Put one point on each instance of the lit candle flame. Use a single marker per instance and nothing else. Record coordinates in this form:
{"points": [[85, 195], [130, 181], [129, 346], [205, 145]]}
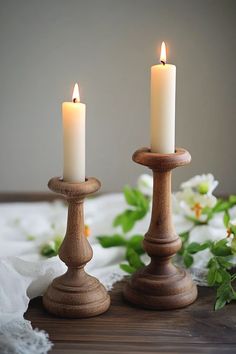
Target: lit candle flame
{"points": [[163, 53], [75, 96]]}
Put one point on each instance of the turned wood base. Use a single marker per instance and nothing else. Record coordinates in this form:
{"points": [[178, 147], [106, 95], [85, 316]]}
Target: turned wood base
{"points": [[161, 285], [77, 298], [161, 292]]}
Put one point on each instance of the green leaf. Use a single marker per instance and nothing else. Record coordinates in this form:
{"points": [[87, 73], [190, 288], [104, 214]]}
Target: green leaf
{"points": [[195, 247], [224, 262], [219, 277], [223, 289], [135, 198], [220, 303], [226, 218], [212, 276], [184, 236], [125, 220], [58, 241], [118, 221], [143, 200], [232, 200], [233, 245], [48, 249], [130, 196], [221, 205], [134, 259], [127, 268], [233, 229], [140, 204], [225, 294], [128, 218], [112, 241], [224, 276], [218, 273], [188, 259], [138, 214], [136, 243], [220, 248], [51, 248], [212, 262]]}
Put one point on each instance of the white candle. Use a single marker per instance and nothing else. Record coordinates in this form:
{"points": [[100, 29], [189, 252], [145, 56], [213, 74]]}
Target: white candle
{"points": [[73, 115], [163, 82]]}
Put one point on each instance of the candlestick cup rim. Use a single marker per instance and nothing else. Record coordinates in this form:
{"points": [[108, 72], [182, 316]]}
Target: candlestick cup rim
{"points": [[162, 162], [74, 190]]}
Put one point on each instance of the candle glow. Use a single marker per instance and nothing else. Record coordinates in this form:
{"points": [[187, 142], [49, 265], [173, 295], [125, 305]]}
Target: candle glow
{"points": [[76, 96], [163, 53]]}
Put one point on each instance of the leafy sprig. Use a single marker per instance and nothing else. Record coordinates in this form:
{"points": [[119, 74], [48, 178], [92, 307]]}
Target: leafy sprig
{"points": [[219, 266], [51, 248], [139, 207], [219, 274], [134, 250]]}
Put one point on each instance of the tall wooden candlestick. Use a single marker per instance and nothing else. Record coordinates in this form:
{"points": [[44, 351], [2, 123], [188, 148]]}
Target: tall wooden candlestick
{"points": [[161, 285], [75, 294]]}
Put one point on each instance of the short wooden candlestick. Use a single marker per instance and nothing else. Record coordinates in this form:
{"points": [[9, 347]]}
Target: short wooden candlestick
{"points": [[161, 285], [75, 294]]}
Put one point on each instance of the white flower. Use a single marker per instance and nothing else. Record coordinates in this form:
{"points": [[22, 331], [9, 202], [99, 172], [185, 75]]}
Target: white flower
{"points": [[145, 184], [204, 184], [195, 195], [191, 198]]}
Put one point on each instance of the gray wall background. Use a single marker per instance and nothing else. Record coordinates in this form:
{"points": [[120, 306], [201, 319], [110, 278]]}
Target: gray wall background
{"points": [[109, 46]]}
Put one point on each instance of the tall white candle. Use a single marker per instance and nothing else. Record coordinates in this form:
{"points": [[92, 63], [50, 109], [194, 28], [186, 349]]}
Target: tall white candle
{"points": [[73, 115], [163, 82]]}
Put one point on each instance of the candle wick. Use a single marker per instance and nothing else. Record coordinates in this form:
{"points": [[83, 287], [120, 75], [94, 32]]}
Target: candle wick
{"points": [[75, 100], [162, 61]]}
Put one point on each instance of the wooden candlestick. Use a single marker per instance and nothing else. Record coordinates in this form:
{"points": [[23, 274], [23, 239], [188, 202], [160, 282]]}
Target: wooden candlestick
{"points": [[161, 285], [75, 294]]}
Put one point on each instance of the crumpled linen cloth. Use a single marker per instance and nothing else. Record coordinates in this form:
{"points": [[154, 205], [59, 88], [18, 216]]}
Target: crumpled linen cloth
{"points": [[25, 274]]}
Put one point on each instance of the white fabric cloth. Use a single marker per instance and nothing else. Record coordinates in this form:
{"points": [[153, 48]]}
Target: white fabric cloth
{"points": [[25, 274]]}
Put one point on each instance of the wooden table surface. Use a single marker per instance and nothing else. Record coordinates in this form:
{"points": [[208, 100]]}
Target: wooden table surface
{"points": [[130, 330]]}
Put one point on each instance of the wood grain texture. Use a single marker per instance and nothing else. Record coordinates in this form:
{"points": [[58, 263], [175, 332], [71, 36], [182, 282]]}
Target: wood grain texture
{"points": [[161, 285], [75, 294], [161, 162], [127, 329]]}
